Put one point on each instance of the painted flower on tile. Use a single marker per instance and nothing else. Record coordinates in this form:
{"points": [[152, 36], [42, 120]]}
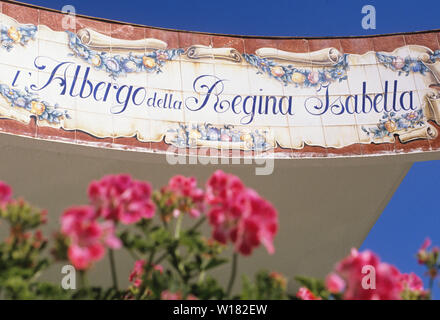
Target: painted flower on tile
{"points": [[162, 55], [30, 102], [434, 56], [11, 35], [393, 123], [117, 65], [398, 62], [288, 74]]}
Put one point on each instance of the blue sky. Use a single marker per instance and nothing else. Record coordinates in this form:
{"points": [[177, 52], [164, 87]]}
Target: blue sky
{"points": [[413, 212], [412, 215], [275, 17]]}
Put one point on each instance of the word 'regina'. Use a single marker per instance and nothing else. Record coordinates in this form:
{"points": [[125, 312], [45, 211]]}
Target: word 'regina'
{"points": [[209, 88]]}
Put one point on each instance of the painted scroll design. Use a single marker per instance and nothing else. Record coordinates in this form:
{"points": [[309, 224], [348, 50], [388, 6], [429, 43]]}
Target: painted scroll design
{"points": [[200, 52], [220, 137], [11, 35], [31, 103], [412, 125], [407, 126], [101, 42], [432, 101], [391, 123], [117, 65], [300, 77]]}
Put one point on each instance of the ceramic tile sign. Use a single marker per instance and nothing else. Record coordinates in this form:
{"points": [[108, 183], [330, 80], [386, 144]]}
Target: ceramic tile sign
{"points": [[202, 96]]}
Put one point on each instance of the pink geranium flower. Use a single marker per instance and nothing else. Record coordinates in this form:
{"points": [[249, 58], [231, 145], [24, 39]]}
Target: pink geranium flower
{"points": [[387, 277], [334, 283], [422, 254], [238, 214], [82, 256], [305, 294], [88, 238], [168, 295], [186, 187], [5, 193], [121, 198], [412, 282], [426, 244], [138, 272]]}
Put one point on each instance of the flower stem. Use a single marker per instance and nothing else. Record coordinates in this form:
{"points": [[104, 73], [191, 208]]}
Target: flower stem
{"points": [[201, 277], [82, 279], [233, 274], [431, 284], [159, 260], [113, 269], [178, 226], [198, 224]]}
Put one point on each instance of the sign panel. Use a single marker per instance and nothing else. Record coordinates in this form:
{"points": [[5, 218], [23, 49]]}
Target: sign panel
{"points": [[148, 92]]}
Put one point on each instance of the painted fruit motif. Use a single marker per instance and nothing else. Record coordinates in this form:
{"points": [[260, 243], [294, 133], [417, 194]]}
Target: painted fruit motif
{"points": [[130, 66], [235, 137], [195, 134], [148, 62], [37, 107], [313, 77], [14, 34], [391, 126], [20, 102], [225, 137], [247, 138], [277, 71], [163, 56], [298, 77], [96, 61], [213, 134], [249, 144], [112, 65]]}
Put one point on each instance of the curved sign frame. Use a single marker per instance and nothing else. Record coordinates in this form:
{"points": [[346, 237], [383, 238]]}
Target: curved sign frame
{"points": [[127, 87]]}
